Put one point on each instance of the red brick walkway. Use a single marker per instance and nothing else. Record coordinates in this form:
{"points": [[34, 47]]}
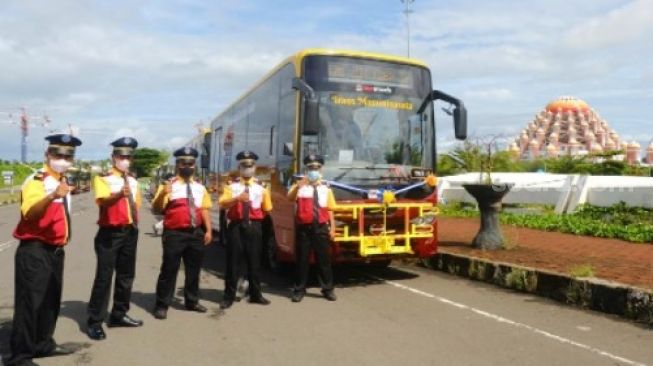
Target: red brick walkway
{"points": [[614, 260]]}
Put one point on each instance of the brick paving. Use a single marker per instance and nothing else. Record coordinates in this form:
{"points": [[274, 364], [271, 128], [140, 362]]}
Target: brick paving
{"points": [[614, 260]]}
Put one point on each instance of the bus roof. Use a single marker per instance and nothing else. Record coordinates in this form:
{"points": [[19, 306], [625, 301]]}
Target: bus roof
{"points": [[297, 58]]}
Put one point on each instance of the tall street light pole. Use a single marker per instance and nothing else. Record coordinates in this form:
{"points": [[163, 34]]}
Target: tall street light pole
{"points": [[407, 11]]}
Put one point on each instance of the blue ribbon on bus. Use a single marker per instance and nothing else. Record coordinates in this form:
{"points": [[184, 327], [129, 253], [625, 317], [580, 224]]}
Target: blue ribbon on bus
{"points": [[366, 192], [378, 192]]}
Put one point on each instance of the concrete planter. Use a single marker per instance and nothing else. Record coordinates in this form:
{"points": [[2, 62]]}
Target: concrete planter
{"points": [[489, 199]]}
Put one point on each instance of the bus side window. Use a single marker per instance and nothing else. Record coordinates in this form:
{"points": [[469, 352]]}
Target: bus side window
{"points": [[285, 131]]}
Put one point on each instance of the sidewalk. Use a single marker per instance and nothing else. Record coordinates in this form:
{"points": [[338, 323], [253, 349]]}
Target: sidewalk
{"points": [[623, 271]]}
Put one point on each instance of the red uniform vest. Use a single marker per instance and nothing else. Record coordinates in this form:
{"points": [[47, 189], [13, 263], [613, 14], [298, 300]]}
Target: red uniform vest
{"points": [[256, 192], [52, 227], [304, 213], [176, 213], [118, 214]]}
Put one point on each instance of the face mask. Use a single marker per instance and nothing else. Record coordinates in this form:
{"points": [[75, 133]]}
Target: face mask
{"points": [[60, 165], [314, 175], [186, 171], [123, 165], [247, 172]]}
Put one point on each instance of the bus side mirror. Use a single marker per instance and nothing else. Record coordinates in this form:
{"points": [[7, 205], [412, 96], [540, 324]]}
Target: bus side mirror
{"points": [[311, 106], [311, 117], [207, 143], [459, 112], [460, 122], [204, 161]]}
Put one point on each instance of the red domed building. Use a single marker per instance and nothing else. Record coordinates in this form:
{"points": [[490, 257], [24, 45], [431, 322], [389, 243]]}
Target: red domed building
{"points": [[569, 126]]}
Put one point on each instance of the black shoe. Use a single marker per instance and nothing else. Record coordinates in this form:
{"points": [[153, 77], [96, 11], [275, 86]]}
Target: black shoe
{"points": [[160, 313], [226, 304], [297, 296], [329, 295], [27, 362], [196, 307], [124, 321], [259, 300], [96, 332], [59, 351]]}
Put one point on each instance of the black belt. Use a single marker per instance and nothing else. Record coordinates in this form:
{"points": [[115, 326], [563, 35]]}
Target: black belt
{"points": [[313, 225], [243, 221], [56, 249], [185, 230], [124, 228]]}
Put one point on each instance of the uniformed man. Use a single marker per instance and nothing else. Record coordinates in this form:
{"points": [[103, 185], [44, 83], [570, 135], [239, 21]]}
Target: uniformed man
{"points": [[315, 228], [247, 202], [43, 231], [185, 204], [118, 197]]}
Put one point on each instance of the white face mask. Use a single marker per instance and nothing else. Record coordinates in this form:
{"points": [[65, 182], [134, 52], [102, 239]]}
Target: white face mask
{"points": [[247, 172], [60, 165], [123, 165]]}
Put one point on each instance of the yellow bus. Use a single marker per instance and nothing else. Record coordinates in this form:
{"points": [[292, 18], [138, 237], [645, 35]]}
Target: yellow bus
{"points": [[371, 116]]}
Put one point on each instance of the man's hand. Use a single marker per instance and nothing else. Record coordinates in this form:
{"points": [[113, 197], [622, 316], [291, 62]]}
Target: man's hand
{"points": [[62, 190], [332, 233], [208, 237], [126, 191], [167, 188], [302, 182], [243, 197]]}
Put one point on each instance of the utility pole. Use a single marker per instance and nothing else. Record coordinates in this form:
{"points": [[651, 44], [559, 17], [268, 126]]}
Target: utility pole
{"points": [[407, 11], [24, 129], [24, 122]]}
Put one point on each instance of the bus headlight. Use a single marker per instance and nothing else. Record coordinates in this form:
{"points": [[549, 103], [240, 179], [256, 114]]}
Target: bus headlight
{"points": [[423, 220]]}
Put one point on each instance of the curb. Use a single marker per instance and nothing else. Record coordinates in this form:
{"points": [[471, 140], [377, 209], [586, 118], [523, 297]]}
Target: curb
{"points": [[589, 293]]}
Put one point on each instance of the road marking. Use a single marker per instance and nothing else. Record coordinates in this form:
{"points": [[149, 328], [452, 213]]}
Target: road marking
{"points": [[503, 320], [7, 244]]}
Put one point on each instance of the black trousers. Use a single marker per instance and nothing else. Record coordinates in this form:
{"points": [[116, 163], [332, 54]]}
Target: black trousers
{"points": [[178, 245], [37, 299], [314, 238], [115, 249], [244, 246]]}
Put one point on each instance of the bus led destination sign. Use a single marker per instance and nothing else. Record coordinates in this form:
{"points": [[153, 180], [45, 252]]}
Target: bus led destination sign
{"points": [[364, 101], [346, 71]]}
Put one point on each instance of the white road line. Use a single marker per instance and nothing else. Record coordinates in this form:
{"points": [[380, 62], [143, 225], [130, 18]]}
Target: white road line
{"points": [[501, 319], [7, 244]]}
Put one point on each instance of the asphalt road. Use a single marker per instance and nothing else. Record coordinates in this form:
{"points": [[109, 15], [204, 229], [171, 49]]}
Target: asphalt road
{"points": [[403, 315]]}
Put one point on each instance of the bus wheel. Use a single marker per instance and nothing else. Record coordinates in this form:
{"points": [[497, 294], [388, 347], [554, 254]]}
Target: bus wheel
{"points": [[385, 263]]}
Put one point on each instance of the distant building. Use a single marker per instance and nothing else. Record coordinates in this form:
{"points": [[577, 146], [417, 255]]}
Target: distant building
{"points": [[569, 126]]}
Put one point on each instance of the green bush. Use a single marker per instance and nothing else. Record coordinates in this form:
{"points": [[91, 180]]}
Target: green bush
{"points": [[634, 224]]}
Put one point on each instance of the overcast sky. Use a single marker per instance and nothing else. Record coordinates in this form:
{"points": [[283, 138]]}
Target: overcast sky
{"points": [[153, 69]]}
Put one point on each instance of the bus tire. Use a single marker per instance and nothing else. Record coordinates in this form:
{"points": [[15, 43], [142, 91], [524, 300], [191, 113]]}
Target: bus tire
{"points": [[385, 263]]}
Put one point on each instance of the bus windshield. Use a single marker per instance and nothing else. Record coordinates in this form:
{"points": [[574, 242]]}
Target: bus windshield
{"points": [[368, 128]]}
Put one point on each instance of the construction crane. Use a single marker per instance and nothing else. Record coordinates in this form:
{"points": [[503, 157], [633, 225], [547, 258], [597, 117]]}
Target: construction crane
{"points": [[25, 121]]}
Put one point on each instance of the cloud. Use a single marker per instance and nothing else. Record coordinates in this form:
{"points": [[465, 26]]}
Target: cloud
{"points": [[155, 69], [494, 94], [632, 22]]}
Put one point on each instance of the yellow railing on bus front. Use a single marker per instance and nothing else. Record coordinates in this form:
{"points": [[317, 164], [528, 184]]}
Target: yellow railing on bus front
{"points": [[386, 241]]}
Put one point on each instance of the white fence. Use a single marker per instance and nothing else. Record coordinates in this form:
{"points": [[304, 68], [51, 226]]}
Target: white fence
{"points": [[564, 191]]}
